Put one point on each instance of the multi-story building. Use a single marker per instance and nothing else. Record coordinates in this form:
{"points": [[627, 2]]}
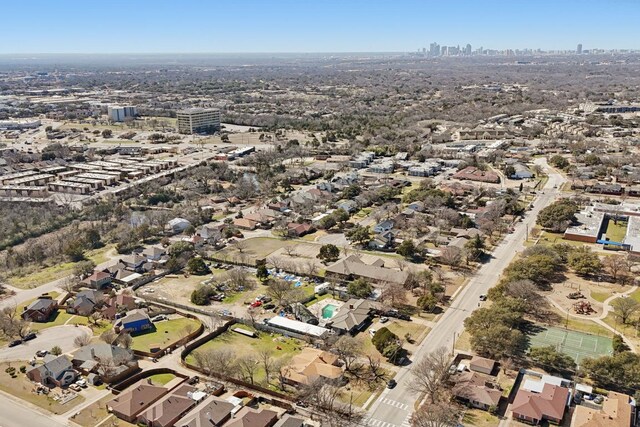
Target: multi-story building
{"points": [[118, 113], [198, 120]]}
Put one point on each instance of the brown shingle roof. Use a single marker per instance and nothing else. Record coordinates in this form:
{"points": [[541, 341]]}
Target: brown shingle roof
{"points": [[548, 404]]}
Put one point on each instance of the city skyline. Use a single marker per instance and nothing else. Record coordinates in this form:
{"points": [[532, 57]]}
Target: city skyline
{"points": [[283, 26]]}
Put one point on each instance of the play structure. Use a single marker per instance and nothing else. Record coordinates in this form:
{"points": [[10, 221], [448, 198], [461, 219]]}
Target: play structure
{"points": [[583, 307]]}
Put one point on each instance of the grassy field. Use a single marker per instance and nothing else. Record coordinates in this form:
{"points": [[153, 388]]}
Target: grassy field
{"points": [[166, 333], [279, 346], [161, 379], [616, 232], [403, 327], [21, 387], [257, 248], [600, 296], [59, 271], [479, 418], [636, 295], [96, 413]]}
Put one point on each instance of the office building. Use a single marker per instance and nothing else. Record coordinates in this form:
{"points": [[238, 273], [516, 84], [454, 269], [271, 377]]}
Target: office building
{"points": [[579, 49], [198, 120], [118, 113], [434, 49]]}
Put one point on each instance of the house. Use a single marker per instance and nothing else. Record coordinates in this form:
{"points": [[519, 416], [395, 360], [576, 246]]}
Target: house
{"points": [[384, 226], [303, 314], [349, 206], [117, 304], [482, 364], [248, 417], [177, 225], [98, 280], [352, 317], [289, 421], [134, 262], [54, 372], [382, 240], [170, 408], [84, 302], [135, 321], [311, 364], [111, 363], [474, 389], [547, 405], [135, 400], [352, 267], [245, 223], [616, 411], [471, 173], [298, 230], [40, 310], [521, 172], [154, 253], [213, 411]]}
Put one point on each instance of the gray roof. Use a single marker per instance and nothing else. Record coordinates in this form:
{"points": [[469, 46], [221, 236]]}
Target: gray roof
{"points": [[289, 421], [54, 366], [134, 315], [102, 351], [351, 314], [352, 265], [211, 412], [41, 304]]}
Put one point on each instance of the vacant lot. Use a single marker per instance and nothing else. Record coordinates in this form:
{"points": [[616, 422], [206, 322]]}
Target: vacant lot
{"points": [[166, 333], [22, 388]]}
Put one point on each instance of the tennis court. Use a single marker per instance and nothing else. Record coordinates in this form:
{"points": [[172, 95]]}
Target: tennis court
{"points": [[578, 345]]}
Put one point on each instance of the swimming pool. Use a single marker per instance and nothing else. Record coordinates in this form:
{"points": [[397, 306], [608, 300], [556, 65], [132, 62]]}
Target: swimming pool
{"points": [[328, 311]]}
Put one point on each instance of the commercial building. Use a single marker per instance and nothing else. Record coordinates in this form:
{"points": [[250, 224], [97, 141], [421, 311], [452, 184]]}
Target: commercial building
{"points": [[118, 113], [19, 124], [198, 120]]}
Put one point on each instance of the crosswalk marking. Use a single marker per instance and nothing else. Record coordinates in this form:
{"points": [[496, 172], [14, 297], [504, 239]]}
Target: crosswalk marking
{"points": [[395, 404], [406, 423]]}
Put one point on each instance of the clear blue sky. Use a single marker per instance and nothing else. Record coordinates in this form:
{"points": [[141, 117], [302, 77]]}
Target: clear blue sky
{"points": [[113, 26]]}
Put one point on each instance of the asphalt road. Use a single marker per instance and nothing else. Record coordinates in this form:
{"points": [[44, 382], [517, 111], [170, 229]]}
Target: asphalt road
{"points": [[62, 336], [15, 414], [394, 407]]}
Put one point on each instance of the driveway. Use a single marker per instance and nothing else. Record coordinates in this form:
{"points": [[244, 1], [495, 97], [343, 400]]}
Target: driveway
{"points": [[62, 336]]}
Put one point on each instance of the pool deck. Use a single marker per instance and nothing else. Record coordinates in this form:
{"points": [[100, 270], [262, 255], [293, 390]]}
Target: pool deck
{"points": [[318, 308]]}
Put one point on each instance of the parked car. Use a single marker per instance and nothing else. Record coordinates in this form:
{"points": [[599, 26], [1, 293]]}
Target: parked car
{"points": [[384, 319], [30, 336], [193, 380], [15, 343], [82, 383], [159, 318], [42, 353], [75, 387], [483, 297], [256, 304], [391, 383], [269, 306]]}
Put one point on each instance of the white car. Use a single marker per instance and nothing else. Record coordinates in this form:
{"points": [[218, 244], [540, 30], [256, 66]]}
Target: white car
{"points": [[372, 332], [82, 383]]}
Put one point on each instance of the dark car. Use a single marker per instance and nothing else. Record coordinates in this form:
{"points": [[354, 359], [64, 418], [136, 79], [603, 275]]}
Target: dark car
{"points": [[193, 380], [391, 383], [15, 343], [269, 306], [302, 404], [42, 353], [29, 336]]}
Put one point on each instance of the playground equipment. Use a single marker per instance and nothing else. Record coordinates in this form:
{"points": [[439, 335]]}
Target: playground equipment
{"points": [[575, 295], [583, 307]]}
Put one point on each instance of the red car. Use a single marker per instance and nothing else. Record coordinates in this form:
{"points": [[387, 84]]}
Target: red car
{"points": [[256, 304]]}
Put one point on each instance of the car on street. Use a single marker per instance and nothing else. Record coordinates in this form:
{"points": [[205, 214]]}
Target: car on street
{"points": [[391, 383], [42, 353], [384, 319], [30, 336], [15, 343], [483, 297]]}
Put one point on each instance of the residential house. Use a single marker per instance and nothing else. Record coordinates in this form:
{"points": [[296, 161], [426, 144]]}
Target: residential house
{"points": [[245, 224], [171, 407], [54, 372], [177, 225], [135, 400], [475, 389], [134, 262], [40, 310], [616, 411], [384, 226], [482, 364], [382, 240], [98, 280], [117, 304], [135, 321], [295, 229], [248, 417], [349, 206], [521, 172], [535, 407], [303, 314], [111, 363], [212, 412], [154, 253], [472, 173], [352, 267], [352, 317], [84, 302], [290, 421], [311, 364]]}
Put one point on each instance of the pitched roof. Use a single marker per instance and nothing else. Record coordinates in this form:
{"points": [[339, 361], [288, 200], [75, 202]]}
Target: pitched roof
{"points": [[102, 351], [211, 412], [472, 386], [311, 364], [549, 403], [482, 362], [351, 314], [352, 265], [615, 412], [41, 304], [54, 366], [248, 417], [170, 407], [136, 399], [135, 315], [96, 277]]}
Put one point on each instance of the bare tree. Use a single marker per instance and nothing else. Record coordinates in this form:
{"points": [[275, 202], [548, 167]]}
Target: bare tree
{"points": [[221, 360], [241, 245], [394, 293], [248, 367], [283, 292], [439, 414], [109, 336], [125, 340], [430, 373], [290, 250], [349, 349], [265, 356], [238, 277], [82, 340]]}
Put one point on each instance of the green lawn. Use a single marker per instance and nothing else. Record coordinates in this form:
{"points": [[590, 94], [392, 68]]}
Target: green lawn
{"points": [[636, 295], [166, 333], [479, 418], [600, 296], [318, 299], [616, 232], [161, 379], [403, 327], [49, 274], [242, 345]]}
